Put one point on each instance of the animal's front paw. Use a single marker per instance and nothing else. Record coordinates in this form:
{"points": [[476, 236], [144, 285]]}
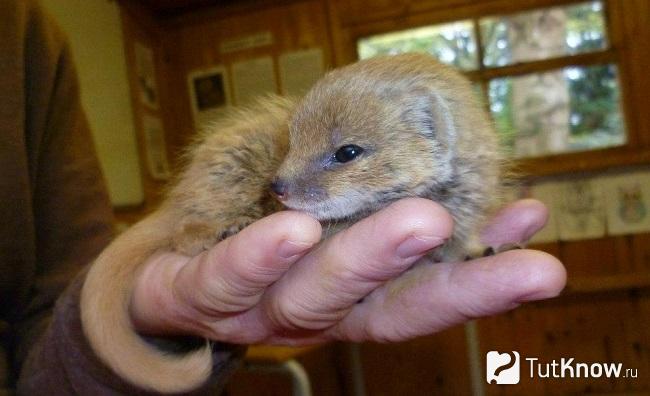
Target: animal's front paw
{"points": [[194, 236], [490, 251], [191, 238], [237, 226]]}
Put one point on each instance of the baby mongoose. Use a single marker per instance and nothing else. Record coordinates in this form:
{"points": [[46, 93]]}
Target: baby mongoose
{"points": [[364, 136]]}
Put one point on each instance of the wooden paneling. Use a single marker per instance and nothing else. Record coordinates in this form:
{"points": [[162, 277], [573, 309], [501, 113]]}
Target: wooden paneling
{"points": [[630, 21], [138, 26], [179, 50], [604, 327], [433, 365], [166, 7], [297, 26], [320, 364], [363, 12]]}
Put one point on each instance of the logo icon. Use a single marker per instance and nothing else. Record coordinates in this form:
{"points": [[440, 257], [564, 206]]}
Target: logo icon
{"points": [[502, 368]]}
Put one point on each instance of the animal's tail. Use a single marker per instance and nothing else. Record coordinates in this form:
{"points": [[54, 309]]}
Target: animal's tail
{"points": [[107, 325]]}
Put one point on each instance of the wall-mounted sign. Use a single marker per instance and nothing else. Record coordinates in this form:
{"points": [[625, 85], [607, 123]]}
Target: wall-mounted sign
{"points": [[253, 78], [256, 40], [155, 147], [209, 94], [628, 203], [146, 75], [581, 210], [299, 70]]}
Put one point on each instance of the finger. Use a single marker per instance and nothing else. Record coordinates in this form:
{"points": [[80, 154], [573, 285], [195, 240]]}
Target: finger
{"points": [[320, 289], [516, 223], [433, 297], [232, 276]]}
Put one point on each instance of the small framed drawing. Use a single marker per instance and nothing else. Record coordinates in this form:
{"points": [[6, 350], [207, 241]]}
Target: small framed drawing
{"points": [[146, 74], [156, 149], [209, 93]]}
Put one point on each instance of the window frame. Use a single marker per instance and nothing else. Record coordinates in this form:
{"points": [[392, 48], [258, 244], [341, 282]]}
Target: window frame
{"points": [[632, 152]]}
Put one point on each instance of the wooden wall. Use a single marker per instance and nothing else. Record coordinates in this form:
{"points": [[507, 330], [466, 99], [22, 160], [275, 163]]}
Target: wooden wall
{"points": [[194, 45], [604, 316], [139, 27]]}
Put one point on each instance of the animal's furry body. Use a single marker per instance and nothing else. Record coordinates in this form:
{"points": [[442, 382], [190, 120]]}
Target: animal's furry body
{"points": [[421, 131]]}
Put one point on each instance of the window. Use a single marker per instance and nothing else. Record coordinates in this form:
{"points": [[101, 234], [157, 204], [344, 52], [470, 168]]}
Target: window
{"points": [[548, 75]]}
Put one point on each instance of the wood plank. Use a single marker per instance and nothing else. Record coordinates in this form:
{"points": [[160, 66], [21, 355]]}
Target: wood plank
{"points": [[358, 12], [641, 251], [585, 162], [592, 257], [432, 365], [603, 283], [543, 65], [320, 364], [630, 23], [607, 327]]}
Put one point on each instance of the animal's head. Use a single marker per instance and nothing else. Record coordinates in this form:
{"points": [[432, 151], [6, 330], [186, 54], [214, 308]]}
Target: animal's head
{"points": [[370, 133]]}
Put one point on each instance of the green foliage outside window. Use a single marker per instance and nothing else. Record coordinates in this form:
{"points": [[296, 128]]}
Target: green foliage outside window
{"points": [[590, 107]]}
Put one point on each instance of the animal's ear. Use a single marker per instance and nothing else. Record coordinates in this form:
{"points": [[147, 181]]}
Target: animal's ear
{"points": [[443, 122], [435, 119]]}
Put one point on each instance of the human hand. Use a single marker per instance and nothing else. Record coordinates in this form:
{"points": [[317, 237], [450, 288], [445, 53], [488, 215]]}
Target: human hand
{"points": [[267, 285]]}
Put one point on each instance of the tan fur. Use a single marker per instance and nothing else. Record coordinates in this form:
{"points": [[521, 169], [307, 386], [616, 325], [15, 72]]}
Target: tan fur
{"points": [[224, 187], [425, 135], [422, 132]]}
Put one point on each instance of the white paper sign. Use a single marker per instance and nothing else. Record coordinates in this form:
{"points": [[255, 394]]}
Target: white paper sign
{"points": [[581, 211], [256, 40], [300, 70], [627, 200], [253, 78]]}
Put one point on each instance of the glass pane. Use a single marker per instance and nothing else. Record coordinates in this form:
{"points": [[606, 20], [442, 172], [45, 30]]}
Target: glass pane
{"points": [[452, 43], [544, 33], [571, 109]]}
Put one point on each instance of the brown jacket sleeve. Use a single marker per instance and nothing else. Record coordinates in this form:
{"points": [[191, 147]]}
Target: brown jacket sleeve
{"points": [[71, 219], [72, 216], [62, 363]]}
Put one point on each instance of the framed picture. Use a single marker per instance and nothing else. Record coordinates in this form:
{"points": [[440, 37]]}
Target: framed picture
{"points": [[628, 202], [156, 149], [146, 72], [209, 93]]}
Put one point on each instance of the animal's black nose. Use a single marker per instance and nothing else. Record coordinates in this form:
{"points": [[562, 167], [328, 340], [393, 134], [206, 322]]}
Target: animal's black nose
{"points": [[279, 187]]}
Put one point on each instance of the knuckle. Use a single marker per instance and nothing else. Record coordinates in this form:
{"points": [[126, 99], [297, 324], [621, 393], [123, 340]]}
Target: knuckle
{"points": [[290, 313], [223, 292]]}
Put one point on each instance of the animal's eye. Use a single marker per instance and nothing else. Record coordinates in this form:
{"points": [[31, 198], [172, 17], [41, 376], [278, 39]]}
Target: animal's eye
{"points": [[347, 153]]}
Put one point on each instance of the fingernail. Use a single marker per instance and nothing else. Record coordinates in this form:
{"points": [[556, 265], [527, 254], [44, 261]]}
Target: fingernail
{"points": [[418, 245], [289, 249], [510, 246]]}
